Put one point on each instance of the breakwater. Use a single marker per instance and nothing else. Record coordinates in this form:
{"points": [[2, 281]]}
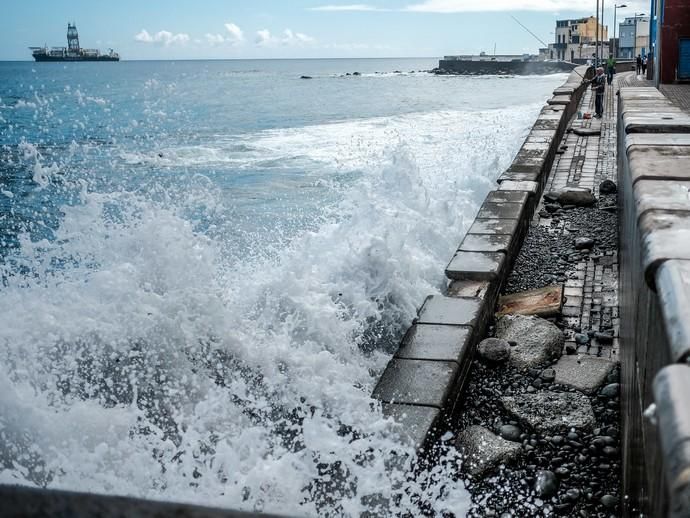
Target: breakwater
{"points": [[487, 67], [422, 385]]}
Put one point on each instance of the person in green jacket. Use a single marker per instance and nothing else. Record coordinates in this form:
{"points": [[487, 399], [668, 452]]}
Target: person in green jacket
{"points": [[610, 69]]}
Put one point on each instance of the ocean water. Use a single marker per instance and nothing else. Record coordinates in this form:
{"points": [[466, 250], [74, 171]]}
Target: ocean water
{"points": [[205, 266]]}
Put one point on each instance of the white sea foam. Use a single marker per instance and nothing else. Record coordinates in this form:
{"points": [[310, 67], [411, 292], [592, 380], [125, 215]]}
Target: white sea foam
{"points": [[141, 356]]}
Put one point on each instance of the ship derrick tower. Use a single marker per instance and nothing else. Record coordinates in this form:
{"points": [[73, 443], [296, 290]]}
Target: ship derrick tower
{"points": [[72, 38]]}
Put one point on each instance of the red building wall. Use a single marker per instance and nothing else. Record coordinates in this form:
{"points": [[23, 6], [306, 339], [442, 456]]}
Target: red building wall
{"points": [[675, 24]]}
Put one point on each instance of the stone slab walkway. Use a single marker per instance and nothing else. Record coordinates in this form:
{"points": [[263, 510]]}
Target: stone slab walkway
{"points": [[586, 161]]}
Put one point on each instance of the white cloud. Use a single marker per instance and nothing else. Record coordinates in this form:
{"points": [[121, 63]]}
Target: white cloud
{"points": [[236, 34], [296, 38], [264, 38], [215, 39], [460, 6], [350, 7], [165, 38]]}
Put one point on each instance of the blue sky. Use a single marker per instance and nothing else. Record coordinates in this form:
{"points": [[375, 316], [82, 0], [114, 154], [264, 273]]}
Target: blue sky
{"points": [[181, 29]]}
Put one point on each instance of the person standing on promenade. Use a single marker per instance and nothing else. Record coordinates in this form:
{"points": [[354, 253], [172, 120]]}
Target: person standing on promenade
{"points": [[638, 65], [644, 66], [598, 83], [610, 69]]}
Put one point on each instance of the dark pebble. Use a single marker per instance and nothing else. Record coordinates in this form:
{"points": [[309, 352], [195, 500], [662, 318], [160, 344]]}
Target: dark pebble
{"points": [[546, 484], [510, 432]]}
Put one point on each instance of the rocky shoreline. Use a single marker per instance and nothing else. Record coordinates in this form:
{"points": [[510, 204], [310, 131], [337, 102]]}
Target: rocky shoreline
{"points": [[540, 427]]}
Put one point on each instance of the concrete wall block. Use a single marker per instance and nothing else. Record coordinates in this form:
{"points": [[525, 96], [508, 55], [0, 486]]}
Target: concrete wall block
{"points": [[486, 243], [661, 195], [476, 266], [671, 389], [519, 185], [673, 289], [656, 139], [417, 382], [653, 122], [665, 235], [491, 210], [28, 502], [506, 197], [459, 311], [659, 163], [561, 99], [494, 226], [437, 342], [531, 174], [416, 424]]}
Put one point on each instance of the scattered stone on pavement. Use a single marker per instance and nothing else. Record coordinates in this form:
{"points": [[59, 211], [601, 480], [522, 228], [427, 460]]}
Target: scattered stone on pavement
{"points": [[551, 412], [537, 340], [483, 450], [494, 349], [585, 373]]}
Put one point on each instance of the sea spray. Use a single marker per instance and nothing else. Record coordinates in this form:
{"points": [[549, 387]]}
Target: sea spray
{"points": [[199, 312]]}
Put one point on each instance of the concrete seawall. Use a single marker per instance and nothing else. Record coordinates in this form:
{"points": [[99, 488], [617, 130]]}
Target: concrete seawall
{"points": [[654, 180], [422, 384], [463, 67]]}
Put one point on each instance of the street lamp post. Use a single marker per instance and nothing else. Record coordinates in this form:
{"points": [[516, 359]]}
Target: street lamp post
{"points": [[596, 39], [615, 41]]}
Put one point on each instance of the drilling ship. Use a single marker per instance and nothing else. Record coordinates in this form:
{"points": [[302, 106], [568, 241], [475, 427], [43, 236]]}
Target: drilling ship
{"points": [[73, 52]]}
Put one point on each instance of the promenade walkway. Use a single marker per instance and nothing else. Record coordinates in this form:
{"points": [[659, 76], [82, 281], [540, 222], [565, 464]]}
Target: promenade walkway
{"points": [[576, 474]]}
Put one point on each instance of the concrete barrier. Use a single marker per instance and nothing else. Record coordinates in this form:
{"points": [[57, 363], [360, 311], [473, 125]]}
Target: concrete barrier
{"points": [[654, 221], [423, 382]]}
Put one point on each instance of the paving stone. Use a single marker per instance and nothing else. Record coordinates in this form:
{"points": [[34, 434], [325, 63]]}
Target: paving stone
{"points": [[538, 340], [415, 422], [417, 382], [486, 243], [585, 373], [483, 450], [436, 342], [479, 266], [491, 210], [551, 412], [459, 311]]}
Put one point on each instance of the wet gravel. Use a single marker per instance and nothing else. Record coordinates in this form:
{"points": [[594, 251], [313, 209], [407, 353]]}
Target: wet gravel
{"points": [[574, 473], [547, 257]]}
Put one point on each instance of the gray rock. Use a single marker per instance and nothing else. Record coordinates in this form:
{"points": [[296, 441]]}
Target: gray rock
{"points": [[510, 432], [581, 338], [546, 484], [537, 340], [583, 242], [551, 412], [548, 375], [611, 390], [483, 450], [608, 187], [609, 501], [585, 373], [494, 349], [577, 197]]}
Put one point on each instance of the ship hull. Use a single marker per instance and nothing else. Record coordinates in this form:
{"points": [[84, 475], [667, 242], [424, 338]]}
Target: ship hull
{"points": [[79, 58]]}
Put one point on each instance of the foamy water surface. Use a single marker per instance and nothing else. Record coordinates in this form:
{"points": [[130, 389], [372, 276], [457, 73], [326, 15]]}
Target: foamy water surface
{"points": [[206, 265]]}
